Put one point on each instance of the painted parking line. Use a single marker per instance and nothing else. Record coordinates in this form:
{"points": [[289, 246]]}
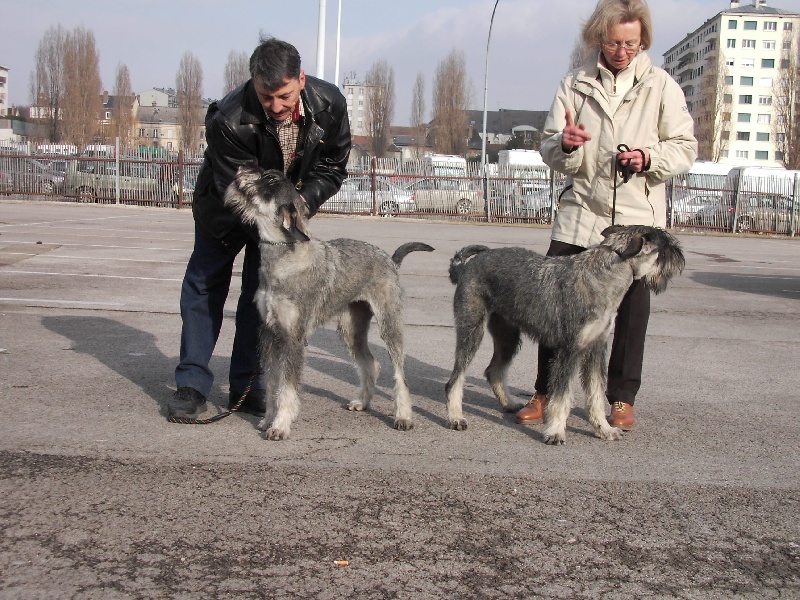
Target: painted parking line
{"points": [[96, 275], [54, 301]]}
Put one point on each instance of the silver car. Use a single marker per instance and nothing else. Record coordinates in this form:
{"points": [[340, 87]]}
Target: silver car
{"points": [[356, 196], [445, 195]]}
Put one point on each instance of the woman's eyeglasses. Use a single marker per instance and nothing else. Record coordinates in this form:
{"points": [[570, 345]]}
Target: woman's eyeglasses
{"points": [[627, 46]]}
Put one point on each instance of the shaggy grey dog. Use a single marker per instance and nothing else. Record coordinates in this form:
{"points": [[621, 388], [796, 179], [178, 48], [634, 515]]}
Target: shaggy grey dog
{"points": [[567, 303], [305, 283]]}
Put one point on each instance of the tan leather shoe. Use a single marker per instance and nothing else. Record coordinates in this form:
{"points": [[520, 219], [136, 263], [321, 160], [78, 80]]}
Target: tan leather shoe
{"points": [[621, 416], [533, 412]]}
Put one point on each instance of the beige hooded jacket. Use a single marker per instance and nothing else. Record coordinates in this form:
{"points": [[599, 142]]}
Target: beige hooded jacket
{"points": [[652, 115]]}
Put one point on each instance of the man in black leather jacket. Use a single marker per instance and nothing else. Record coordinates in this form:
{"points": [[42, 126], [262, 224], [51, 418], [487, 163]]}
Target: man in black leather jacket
{"points": [[282, 119]]}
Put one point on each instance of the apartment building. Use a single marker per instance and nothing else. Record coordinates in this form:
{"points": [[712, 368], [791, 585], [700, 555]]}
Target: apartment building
{"points": [[357, 95], [728, 69]]}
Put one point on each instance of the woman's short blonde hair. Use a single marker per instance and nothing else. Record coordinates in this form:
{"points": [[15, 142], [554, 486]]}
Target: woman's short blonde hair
{"points": [[610, 13]]}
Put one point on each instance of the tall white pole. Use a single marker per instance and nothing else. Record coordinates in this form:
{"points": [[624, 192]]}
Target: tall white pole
{"points": [[486, 90], [321, 41], [338, 44]]}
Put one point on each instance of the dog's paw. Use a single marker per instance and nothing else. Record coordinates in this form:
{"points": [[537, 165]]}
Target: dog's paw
{"points": [[264, 424], [273, 433], [554, 438], [356, 405], [403, 424], [458, 424], [611, 434]]}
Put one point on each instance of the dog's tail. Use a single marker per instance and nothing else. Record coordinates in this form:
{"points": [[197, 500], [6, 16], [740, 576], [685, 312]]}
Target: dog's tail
{"points": [[459, 261], [408, 248]]}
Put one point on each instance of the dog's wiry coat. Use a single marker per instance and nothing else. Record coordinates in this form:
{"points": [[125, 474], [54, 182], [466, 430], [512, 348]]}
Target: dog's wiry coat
{"points": [[305, 283], [568, 303]]}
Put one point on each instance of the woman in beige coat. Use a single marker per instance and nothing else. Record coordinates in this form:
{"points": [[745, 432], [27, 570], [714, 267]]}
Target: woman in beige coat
{"points": [[617, 110]]}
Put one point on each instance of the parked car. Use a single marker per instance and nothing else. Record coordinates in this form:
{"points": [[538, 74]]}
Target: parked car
{"points": [[356, 196], [190, 173], [522, 199], [445, 195], [715, 214], [6, 181], [686, 209], [92, 180], [33, 175], [767, 212]]}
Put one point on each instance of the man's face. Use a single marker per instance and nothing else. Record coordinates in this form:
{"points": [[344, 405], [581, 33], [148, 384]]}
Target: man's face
{"points": [[279, 103]]}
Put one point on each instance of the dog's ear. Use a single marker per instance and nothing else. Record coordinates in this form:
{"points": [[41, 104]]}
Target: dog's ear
{"points": [[635, 245], [295, 219]]}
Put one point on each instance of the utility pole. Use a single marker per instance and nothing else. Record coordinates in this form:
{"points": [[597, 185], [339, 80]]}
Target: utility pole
{"points": [[338, 44]]}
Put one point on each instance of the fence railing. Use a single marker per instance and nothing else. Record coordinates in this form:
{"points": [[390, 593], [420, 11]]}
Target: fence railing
{"points": [[724, 203]]}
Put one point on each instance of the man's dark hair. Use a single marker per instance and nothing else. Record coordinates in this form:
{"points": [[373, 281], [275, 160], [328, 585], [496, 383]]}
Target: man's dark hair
{"points": [[273, 62]]}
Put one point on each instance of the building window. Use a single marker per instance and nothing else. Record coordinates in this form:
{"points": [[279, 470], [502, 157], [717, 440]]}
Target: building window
{"points": [[108, 115], [787, 45], [765, 100], [745, 81], [729, 80], [726, 116], [155, 133], [743, 117], [731, 44], [745, 99], [727, 98], [767, 63], [750, 25], [769, 44], [743, 136], [732, 23], [764, 119], [729, 62], [762, 136], [778, 155], [141, 133], [742, 154], [748, 43], [770, 25], [725, 135], [787, 26], [765, 82], [748, 62], [724, 154], [762, 155]]}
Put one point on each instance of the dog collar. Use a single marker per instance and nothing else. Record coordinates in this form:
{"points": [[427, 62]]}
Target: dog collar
{"points": [[292, 243]]}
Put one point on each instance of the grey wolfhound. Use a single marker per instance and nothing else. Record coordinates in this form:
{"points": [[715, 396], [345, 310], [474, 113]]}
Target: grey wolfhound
{"points": [[305, 283], [567, 303]]}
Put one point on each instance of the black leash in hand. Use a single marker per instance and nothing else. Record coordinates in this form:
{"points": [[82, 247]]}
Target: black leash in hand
{"points": [[624, 170], [236, 407]]}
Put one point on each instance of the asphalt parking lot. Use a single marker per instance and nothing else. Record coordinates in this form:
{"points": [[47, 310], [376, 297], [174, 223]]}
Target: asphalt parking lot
{"points": [[101, 497]]}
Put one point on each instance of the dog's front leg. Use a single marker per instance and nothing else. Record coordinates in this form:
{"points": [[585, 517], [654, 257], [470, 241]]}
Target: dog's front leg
{"points": [[562, 376], [594, 381], [283, 403]]}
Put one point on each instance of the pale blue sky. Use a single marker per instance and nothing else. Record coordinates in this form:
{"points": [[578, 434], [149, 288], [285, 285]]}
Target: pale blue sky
{"points": [[530, 46]]}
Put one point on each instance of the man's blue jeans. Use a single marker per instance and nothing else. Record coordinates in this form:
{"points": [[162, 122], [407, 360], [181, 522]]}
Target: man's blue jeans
{"points": [[203, 294]]}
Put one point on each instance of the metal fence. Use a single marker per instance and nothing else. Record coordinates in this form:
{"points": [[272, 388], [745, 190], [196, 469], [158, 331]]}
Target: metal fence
{"points": [[735, 202]]}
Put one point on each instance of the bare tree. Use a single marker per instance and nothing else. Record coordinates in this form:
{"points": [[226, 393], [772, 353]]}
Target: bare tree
{"points": [[237, 70], [82, 104], [786, 104], [380, 106], [122, 117], [47, 80], [189, 84], [580, 52], [418, 115], [712, 110], [451, 95]]}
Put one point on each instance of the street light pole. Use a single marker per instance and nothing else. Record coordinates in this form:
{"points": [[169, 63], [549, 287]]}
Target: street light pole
{"points": [[485, 99], [486, 88], [321, 41], [338, 44]]}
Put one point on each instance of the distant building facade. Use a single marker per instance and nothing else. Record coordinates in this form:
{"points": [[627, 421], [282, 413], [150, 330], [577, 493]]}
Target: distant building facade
{"points": [[3, 91], [727, 69]]}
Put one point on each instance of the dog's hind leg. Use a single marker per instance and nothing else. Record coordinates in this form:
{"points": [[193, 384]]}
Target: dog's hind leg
{"points": [[354, 330], [593, 376], [470, 323], [507, 340], [390, 321], [562, 377]]}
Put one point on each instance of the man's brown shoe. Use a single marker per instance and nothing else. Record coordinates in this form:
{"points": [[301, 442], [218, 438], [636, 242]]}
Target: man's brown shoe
{"points": [[533, 412], [621, 416]]}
